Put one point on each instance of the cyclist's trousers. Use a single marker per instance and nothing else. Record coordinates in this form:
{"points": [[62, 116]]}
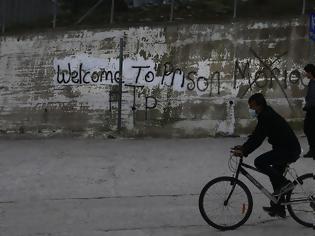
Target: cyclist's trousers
{"points": [[273, 164]]}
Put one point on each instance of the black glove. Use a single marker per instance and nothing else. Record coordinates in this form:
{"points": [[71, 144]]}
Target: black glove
{"points": [[237, 151], [238, 147]]}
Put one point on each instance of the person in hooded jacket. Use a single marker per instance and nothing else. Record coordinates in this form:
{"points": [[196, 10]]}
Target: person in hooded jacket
{"points": [[286, 149], [309, 121]]}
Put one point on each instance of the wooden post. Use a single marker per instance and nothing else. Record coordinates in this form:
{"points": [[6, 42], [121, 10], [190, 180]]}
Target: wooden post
{"points": [[121, 58]]}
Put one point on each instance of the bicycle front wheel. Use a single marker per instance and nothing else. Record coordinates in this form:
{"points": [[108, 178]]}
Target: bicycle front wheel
{"points": [[301, 201], [225, 203]]}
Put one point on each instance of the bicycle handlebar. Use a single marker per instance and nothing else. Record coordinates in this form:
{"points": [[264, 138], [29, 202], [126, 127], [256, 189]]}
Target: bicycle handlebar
{"points": [[234, 152]]}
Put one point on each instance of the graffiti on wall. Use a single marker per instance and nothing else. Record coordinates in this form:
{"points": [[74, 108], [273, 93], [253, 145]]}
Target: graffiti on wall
{"points": [[267, 75], [144, 74], [64, 106], [264, 75]]}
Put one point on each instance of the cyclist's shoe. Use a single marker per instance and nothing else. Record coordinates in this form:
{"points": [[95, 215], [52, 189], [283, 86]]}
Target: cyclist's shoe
{"points": [[280, 213], [275, 211], [286, 187], [268, 209]]}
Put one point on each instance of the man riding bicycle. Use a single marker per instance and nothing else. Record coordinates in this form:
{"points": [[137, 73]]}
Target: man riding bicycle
{"points": [[285, 148]]}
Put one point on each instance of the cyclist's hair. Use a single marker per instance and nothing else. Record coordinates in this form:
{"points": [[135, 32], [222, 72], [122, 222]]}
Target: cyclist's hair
{"points": [[259, 99], [310, 68]]}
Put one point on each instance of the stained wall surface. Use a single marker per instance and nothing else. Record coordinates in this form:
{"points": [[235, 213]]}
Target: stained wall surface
{"points": [[186, 80]]}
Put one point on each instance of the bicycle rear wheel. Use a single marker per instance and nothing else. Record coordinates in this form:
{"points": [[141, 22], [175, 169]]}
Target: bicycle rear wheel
{"points": [[219, 211], [302, 201]]}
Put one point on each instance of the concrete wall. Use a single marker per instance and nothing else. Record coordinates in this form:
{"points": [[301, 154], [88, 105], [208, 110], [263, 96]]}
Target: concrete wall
{"points": [[178, 80]]}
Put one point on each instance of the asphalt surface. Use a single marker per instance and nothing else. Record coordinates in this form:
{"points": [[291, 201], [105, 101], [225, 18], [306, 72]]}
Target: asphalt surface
{"points": [[117, 187]]}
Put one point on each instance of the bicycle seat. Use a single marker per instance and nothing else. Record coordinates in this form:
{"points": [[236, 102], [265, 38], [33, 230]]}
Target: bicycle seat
{"points": [[288, 164]]}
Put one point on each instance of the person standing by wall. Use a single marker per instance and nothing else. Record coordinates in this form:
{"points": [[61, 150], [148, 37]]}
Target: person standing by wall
{"points": [[309, 121]]}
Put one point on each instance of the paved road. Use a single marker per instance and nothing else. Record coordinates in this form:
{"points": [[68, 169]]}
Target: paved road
{"points": [[94, 187]]}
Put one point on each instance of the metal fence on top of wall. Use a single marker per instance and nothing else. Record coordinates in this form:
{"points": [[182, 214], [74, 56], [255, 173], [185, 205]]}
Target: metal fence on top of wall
{"points": [[25, 13], [54, 13]]}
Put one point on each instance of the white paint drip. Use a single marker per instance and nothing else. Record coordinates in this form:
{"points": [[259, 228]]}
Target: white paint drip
{"points": [[227, 126]]}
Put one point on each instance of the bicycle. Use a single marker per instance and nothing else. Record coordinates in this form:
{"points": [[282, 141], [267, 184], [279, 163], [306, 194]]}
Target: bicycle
{"points": [[226, 203]]}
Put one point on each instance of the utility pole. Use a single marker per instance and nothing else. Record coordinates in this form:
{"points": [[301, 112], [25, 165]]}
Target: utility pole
{"points": [[235, 8], [112, 11], [172, 11], [3, 16], [55, 2], [304, 6]]}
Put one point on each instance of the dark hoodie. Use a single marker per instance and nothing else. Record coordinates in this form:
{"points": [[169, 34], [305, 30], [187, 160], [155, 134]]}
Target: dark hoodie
{"points": [[276, 129], [310, 94]]}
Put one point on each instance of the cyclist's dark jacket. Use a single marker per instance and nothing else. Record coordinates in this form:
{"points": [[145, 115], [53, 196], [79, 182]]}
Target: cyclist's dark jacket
{"points": [[279, 133], [310, 96]]}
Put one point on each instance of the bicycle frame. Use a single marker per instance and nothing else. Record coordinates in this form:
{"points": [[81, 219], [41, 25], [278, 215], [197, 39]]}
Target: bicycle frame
{"points": [[241, 170], [301, 193]]}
